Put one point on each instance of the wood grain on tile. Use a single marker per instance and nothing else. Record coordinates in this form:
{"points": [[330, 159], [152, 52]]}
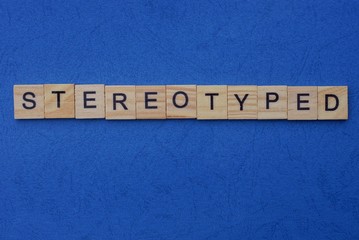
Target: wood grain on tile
{"points": [[272, 102], [120, 102], [302, 103], [333, 103], [242, 102], [29, 102], [90, 101], [181, 101], [150, 102], [59, 100], [212, 102]]}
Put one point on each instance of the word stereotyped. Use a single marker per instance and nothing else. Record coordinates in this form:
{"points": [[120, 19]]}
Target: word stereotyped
{"points": [[201, 102]]}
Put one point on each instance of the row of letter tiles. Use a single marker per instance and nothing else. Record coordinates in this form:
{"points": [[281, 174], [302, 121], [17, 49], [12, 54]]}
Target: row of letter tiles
{"points": [[180, 102]]}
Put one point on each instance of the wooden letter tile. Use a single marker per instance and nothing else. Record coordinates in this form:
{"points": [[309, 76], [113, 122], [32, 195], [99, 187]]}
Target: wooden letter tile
{"points": [[333, 103], [272, 102], [150, 102], [59, 100], [242, 102], [120, 102], [29, 101], [302, 103], [181, 101], [212, 102], [90, 101]]}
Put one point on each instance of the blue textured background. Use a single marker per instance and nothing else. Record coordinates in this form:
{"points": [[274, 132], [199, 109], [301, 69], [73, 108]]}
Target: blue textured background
{"points": [[186, 179]]}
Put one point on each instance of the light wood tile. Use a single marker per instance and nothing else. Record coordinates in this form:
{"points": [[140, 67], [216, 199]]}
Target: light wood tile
{"points": [[333, 103], [120, 102], [59, 100], [181, 101], [212, 102], [302, 103], [150, 102], [242, 102], [90, 101], [29, 102], [272, 102]]}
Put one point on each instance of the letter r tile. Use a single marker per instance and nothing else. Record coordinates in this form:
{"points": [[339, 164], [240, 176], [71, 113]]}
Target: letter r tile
{"points": [[120, 102]]}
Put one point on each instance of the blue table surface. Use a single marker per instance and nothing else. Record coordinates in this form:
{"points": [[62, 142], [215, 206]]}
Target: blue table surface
{"points": [[179, 179]]}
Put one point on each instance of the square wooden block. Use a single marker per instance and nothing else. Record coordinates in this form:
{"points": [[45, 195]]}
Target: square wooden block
{"points": [[150, 102], [333, 103], [242, 102], [272, 102], [181, 101], [59, 100], [29, 102], [302, 103], [120, 102], [90, 101], [212, 102]]}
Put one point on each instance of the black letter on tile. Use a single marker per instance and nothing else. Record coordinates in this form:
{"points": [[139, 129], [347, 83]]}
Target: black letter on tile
{"points": [[147, 100], [271, 100], [241, 102], [89, 99], [174, 99], [299, 101], [327, 96], [212, 98], [58, 96], [115, 100], [24, 97]]}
